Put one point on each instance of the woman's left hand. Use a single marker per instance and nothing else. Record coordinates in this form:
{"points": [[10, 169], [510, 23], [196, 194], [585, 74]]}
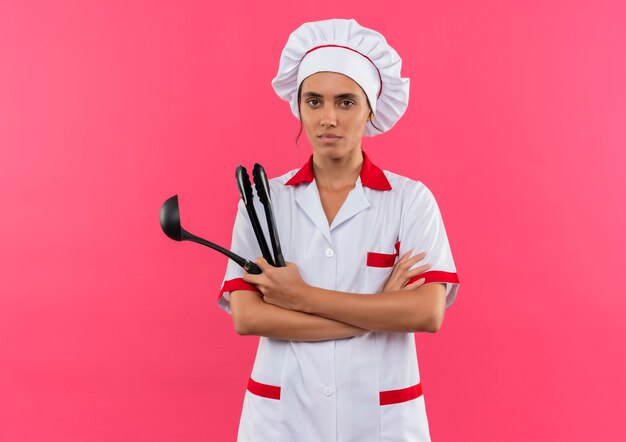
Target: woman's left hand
{"points": [[281, 286]]}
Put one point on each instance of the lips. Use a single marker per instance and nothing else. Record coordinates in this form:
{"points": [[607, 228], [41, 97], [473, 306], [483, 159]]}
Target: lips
{"points": [[329, 137]]}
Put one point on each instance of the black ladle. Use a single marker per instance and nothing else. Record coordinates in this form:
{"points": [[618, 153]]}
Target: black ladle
{"points": [[170, 224]]}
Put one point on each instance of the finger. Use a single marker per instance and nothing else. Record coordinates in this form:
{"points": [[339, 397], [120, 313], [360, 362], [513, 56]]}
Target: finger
{"points": [[414, 284], [262, 263], [291, 264], [250, 278], [405, 266], [417, 270], [410, 262], [391, 282], [417, 258], [406, 255], [394, 271]]}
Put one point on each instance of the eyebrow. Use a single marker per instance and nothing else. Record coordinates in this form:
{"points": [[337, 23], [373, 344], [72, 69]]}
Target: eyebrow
{"points": [[347, 95]]}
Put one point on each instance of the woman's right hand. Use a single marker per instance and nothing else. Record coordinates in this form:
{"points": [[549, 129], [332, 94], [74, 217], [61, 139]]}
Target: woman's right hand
{"points": [[402, 273]]}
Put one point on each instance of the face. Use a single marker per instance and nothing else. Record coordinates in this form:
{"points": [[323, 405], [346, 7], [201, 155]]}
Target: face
{"points": [[334, 113]]}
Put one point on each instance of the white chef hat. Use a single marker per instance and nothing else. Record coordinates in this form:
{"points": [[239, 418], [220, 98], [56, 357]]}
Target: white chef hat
{"points": [[344, 46]]}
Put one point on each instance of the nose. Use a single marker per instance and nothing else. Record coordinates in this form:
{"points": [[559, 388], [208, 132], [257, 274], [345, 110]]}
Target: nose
{"points": [[328, 116]]}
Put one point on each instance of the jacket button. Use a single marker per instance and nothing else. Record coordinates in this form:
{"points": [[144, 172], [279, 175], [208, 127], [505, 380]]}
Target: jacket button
{"points": [[330, 253], [328, 391]]}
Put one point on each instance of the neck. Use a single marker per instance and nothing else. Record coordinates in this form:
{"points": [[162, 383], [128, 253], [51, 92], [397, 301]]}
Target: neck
{"points": [[337, 173]]}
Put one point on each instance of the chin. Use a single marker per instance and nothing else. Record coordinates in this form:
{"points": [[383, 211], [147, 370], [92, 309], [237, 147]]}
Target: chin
{"points": [[332, 152]]}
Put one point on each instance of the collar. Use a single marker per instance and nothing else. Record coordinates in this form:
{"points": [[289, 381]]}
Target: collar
{"points": [[371, 175]]}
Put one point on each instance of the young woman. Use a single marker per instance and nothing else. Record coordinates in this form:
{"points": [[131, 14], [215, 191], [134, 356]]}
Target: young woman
{"points": [[336, 358]]}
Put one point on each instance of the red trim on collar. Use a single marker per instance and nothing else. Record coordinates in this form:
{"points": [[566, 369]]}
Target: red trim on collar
{"points": [[371, 175]]}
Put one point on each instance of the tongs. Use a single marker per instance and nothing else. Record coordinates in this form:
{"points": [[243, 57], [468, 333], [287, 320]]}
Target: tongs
{"points": [[261, 184]]}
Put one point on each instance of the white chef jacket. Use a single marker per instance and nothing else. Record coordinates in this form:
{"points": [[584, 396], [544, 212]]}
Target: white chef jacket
{"points": [[361, 389]]}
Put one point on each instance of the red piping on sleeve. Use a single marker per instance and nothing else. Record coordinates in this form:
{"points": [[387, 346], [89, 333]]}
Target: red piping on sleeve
{"points": [[436, 276], [237, 284]]}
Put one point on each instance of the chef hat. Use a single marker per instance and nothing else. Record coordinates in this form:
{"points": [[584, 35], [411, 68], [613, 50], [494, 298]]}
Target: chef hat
{"points": [[344, 46]]}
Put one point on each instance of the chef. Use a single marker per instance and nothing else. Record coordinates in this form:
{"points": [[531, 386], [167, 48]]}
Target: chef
{"points": [[368, 258]]}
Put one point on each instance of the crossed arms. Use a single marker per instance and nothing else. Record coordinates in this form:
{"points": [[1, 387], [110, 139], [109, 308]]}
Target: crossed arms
{"points": [[290, 309]]}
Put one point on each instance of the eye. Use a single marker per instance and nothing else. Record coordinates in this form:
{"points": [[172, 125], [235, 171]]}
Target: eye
{"points": [[346, 103], [313, 102]]}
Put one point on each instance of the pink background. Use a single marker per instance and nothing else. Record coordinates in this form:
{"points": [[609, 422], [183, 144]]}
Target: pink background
{"points": [[109, 330]]}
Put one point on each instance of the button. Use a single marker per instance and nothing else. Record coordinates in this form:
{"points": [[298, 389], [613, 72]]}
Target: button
{"points": [[328, 391], [330, 253]]}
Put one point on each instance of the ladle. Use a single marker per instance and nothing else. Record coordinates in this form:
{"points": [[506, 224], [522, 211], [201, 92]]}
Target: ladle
{"points": [[170, 224]]}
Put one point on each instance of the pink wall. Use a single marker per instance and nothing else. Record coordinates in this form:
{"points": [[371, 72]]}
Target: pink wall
{"points": [[109, 330]]}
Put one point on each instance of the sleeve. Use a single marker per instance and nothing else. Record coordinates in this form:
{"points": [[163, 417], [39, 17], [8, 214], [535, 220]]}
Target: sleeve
{"points": [[422, 229], [244, 244]]}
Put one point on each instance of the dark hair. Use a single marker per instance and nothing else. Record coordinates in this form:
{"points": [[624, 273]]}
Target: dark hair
{"points": [[300, 99]]}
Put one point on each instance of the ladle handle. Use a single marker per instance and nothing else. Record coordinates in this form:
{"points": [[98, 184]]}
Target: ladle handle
{"points": [[247, 265]]}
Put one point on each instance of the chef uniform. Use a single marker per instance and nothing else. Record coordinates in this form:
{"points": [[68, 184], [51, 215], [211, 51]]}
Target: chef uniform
{"points": [[365, 388]]}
